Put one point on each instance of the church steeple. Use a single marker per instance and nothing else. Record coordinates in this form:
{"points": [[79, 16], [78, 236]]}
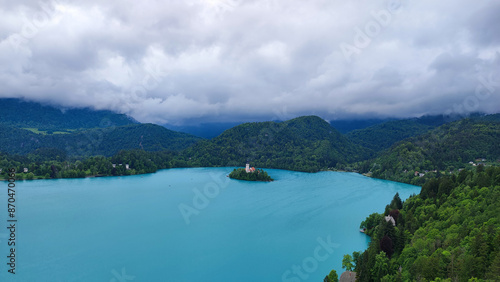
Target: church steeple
{"points": [[249, 169]]}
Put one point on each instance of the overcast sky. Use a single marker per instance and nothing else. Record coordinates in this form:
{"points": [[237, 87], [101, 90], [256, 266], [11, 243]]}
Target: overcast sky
{"points": [[248, 60]]}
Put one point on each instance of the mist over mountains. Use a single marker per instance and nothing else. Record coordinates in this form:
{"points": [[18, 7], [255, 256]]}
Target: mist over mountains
{"points": [[307, 143]]}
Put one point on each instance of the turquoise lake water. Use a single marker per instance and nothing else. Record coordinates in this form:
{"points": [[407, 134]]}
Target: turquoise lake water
{"points": [[190, 225]]}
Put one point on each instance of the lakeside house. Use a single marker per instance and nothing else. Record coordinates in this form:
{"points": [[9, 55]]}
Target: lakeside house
{"points": [[25, 170], [419, 174], [348, 276], [127, 166], [391, 219]]}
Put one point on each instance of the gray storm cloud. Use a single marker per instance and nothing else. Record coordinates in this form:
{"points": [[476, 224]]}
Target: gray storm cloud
{"points": [[235, 60]]}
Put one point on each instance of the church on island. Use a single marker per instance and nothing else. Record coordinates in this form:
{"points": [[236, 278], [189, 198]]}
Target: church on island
{"points": [[249, 169], [250, 174]]}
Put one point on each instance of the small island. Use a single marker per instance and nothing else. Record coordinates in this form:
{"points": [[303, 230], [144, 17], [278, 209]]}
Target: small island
{"points": [[250, 174]]}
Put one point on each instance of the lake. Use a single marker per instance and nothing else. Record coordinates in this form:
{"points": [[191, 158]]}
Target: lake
{"points": [[191, 224]]}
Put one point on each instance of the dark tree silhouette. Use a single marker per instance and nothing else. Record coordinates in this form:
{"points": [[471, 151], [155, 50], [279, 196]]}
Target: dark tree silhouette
{"points": [[387, 246]]}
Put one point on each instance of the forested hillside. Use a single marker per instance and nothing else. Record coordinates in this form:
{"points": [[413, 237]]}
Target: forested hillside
{"points": [[382, 136], [100, 141], [305, 144], [53, 163], [450, 231], [204, 130], [447, 148], [21, 114], [347, 125]]}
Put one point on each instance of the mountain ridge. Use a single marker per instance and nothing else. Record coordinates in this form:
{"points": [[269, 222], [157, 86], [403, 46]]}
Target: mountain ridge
{"points": [[97, 141], [306, 143], [448, 147], [25, 114], [381, 136]]}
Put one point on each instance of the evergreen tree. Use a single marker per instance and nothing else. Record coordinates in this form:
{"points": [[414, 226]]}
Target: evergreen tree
{"points": [[396, 202]]}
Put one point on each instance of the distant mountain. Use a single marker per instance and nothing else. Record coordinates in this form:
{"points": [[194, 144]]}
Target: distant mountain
{"points": [[448, 147], [305, 143], [18, 141], [22, 114], [347, 125], [101, 141], [382, 136], [494, 117], [204, 130]]}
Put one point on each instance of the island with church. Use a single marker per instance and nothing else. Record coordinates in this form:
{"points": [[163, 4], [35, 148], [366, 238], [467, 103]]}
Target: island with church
{"points": [[250, 174]]}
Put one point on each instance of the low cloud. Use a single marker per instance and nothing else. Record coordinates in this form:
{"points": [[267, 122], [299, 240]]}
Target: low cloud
{"points": [[232, 60]]}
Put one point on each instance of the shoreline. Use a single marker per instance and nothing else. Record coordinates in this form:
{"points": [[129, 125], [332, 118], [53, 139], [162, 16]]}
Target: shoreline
{"points": [[322, 170]]}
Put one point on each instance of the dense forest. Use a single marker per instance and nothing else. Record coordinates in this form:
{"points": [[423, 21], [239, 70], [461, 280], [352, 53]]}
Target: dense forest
{"points": [[23, 114], [257, 175], [382, 136], [42, 165], [450, 231], [347, 125], [304, 144], [100, 141], [446, 149], [204, 130]]}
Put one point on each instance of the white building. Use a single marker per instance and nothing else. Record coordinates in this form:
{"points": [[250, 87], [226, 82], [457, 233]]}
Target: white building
{"points": [[249, 169], [391, 219]]}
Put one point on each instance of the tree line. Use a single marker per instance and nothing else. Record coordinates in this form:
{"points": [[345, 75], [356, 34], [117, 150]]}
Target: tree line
{"points": [[449, 232], [257, 175], [125, 162]]}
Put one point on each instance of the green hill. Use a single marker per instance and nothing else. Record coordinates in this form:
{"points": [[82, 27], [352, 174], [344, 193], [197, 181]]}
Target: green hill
{"points": [[109, 141], [494, 117], [18, 141], [22, 114], [347, 125], [382, 136], [305, 143], [446, 148], [450, 231], [101, 141]]}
